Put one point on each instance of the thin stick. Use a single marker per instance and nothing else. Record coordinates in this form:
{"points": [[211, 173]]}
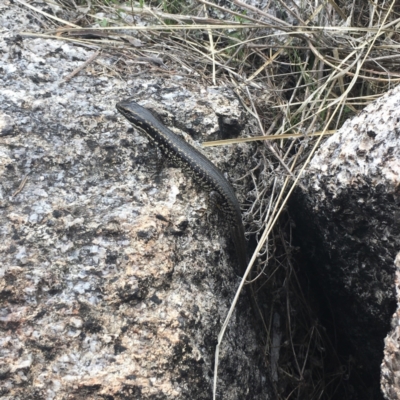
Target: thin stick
{"points": [[267, 137], [21, 186], [81, 67], [47, 15]]}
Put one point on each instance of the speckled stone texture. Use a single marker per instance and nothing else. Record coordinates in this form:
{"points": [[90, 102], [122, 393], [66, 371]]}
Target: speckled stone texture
{"points": [[349, 219], [114, 280], [390, 368]]}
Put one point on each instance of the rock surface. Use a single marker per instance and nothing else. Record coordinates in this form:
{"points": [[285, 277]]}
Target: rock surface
{"points": [[350, 217], [113, 281], [390, 368]]}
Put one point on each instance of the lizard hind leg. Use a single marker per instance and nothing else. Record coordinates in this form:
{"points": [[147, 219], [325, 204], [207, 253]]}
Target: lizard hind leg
{"points": [[159, 164]]}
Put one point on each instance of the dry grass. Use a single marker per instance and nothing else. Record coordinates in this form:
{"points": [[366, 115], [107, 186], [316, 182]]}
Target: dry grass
{"points": [[299, 67]]}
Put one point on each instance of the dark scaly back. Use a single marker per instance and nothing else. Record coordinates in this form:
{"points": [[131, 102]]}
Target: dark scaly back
{"points": [[185, 156]]}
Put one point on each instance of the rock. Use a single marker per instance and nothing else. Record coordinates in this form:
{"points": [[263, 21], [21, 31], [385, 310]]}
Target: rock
{"points": [[6, 125], [114, 282], [348, 221], [390, 368]]}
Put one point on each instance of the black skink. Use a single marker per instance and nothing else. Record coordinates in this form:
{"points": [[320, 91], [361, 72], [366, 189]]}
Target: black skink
{"points": [[185, 156]]}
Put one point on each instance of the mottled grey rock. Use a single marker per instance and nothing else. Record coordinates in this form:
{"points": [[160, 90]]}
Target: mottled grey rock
{"points": [[390, 368], [113, 281], [6, 125], [349, 223]]}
